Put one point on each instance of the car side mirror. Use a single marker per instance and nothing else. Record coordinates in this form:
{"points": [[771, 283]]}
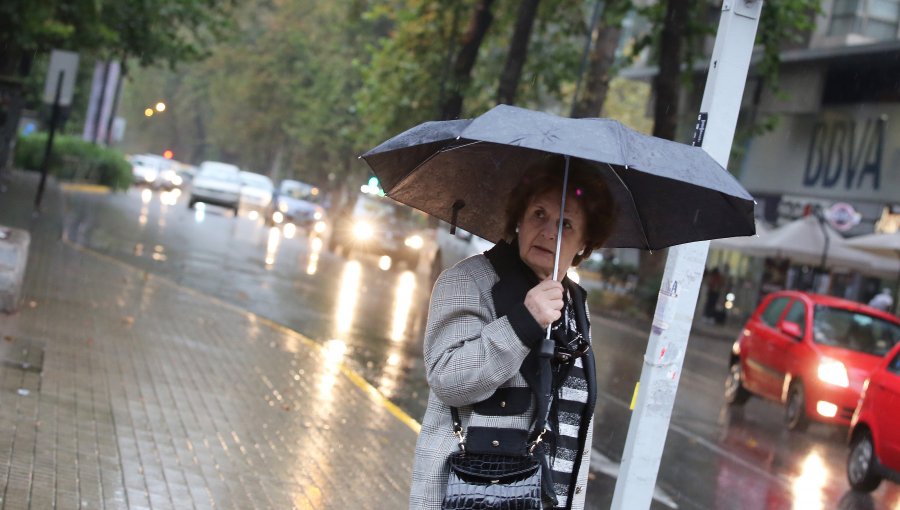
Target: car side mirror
{"points": [[791, 329]]}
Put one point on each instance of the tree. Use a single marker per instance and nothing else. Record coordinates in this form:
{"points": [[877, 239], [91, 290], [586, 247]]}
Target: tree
{"points": [[479, 22], [605, 42], [518, 52], [149, 32]]}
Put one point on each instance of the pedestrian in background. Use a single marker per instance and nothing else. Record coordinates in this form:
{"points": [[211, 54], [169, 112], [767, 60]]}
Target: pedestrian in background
{"points": [[714, 284], [883, 301], [486, 322]]}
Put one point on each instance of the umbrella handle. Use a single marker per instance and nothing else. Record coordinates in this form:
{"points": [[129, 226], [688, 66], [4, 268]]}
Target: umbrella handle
{"points": [[457, 205], [548, 345]]}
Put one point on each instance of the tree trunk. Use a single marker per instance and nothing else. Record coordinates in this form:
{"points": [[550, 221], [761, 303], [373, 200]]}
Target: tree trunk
{"points": [[667, 84], [602, 57], [518, 52], [465, 60]]}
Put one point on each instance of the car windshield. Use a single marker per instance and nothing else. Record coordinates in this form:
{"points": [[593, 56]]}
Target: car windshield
{"points": [[854, 330], [384, 210], [256, 181], [301, 191], [219, 171]]}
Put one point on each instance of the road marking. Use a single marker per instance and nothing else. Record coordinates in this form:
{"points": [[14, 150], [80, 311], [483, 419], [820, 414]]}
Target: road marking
{"points": [[782, 480], [602, 464], [74, 187]]}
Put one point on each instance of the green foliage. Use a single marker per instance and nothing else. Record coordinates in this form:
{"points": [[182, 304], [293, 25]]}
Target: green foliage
{"points": [[75, 159], [161, 30], [276, 97], [783, 23]]}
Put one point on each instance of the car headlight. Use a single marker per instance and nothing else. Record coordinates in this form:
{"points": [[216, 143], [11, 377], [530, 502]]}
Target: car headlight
{"points": [[415, 242], [149, 178], [317, 215], [319, 227], [283, 207], [363, 231], [833, 372], [277, 217], [177, 180]]}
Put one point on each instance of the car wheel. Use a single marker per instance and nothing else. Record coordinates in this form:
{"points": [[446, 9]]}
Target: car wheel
{"points": [[861, 463], [795, 411], [735, 393]]}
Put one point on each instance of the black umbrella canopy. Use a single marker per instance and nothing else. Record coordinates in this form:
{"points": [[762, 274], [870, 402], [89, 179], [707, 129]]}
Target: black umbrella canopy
{"points": [[666, 193]]}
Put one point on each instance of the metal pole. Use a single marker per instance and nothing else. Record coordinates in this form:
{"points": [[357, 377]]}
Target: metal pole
{"points": [[684, 267], [45, 164]]}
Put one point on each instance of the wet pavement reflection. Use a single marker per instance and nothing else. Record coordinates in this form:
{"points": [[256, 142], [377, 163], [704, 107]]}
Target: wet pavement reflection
{"points": [[370, 317]]}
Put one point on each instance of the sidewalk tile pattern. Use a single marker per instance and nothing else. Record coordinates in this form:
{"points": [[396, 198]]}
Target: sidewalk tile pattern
{"points": [[154, 397]]}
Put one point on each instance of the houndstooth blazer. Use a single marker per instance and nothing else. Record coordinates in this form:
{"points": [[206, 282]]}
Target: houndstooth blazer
{"points": [[469, 354]]}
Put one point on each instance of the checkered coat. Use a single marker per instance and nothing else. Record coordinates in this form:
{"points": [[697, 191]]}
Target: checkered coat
{"points": [[469, 354]]}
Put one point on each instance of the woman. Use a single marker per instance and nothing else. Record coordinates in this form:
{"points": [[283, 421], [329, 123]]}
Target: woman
{"points": [[487, 319]]}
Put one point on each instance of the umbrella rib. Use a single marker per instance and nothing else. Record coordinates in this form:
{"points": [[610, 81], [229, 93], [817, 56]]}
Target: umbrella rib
{"points": [[461, 146], [633, 205]]}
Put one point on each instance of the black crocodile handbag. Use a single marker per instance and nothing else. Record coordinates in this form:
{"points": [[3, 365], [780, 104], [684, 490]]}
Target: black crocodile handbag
{"points": [[495, 469], [480, 481]]}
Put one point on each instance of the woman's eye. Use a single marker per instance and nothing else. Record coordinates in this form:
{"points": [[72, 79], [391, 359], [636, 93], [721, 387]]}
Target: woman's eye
{"points": [[539, 214], [567, 224]]}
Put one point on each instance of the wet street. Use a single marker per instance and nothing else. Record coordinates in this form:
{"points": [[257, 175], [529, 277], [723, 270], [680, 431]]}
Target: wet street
{"points": [[715, 458]]}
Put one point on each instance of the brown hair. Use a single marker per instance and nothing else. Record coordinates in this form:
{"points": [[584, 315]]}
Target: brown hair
{"points": [[586, 187]]}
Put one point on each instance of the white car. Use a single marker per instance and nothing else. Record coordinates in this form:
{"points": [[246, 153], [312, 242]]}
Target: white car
{"points": [[146, 168], [256, 192], [454, 247], [217, 184]]}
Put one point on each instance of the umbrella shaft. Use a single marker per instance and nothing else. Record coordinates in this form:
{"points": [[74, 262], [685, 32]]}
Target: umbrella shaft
{"points": [[559, 229]]}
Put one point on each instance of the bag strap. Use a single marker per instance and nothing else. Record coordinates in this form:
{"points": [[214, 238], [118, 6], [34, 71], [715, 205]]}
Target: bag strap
{"points": [[539, 427]]}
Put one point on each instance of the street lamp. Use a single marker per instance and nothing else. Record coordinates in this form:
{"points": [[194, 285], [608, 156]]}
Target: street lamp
{"points": [[148, 112], [160, 107]]}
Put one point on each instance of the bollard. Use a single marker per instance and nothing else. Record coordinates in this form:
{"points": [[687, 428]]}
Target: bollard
{"points": [[14, 245]]}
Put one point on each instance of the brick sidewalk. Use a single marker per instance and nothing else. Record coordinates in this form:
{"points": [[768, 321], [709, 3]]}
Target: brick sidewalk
{"points": [[119, 389]]}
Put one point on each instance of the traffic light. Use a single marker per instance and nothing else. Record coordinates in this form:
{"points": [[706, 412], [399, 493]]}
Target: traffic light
{"points": [[168, 154]]}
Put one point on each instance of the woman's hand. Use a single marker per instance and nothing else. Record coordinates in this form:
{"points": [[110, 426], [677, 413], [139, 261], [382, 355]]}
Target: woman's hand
{"points": [[545, 301]]}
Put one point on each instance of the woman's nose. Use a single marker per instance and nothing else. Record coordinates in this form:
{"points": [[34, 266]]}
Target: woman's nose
{"points": [[551, 228]]}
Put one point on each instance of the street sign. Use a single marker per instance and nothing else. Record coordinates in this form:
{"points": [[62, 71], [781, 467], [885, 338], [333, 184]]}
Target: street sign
{"points": [[63, 66]]}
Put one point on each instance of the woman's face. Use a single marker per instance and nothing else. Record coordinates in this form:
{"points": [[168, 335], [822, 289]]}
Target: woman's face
{"points": [[538, 229]]}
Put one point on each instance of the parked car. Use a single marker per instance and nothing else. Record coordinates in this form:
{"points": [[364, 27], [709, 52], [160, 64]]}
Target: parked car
{"points": [[217, 184], [810, 352], [257, 191], [875, 429], [299, 203], [380, 226]]}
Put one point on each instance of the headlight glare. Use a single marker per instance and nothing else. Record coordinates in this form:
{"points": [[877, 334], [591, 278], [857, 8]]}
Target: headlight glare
{"points": [[283, 207], [833, 372], [362, 231], [415, 242]]}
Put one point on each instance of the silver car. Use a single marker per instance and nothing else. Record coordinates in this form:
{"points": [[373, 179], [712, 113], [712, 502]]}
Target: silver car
{"points": [[217, 184]]}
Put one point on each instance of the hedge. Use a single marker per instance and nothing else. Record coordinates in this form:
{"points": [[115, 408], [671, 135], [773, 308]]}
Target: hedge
{"points": [[74, 159]]}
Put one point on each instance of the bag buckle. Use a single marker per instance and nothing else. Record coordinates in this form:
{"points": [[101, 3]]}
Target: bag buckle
{"points": [[457, 429], [537, 441]]}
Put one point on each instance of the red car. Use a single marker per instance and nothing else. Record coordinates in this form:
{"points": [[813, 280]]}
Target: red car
{"points": [[810, 352], [874, 432]]}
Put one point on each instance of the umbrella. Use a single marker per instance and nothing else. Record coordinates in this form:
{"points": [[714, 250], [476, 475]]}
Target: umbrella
{"points": [[809, 240], [461, 171], [886, 245], [739, 243]]}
